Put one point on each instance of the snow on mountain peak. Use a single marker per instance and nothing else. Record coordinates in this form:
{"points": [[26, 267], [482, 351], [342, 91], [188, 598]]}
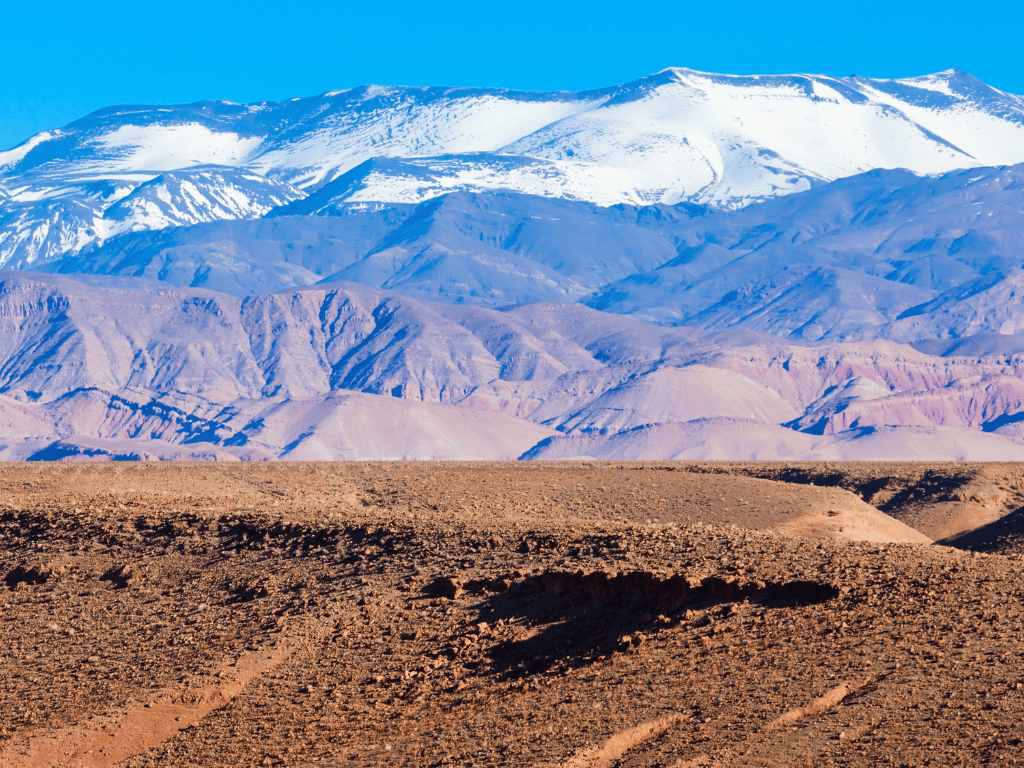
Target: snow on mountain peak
{"points": [[677, 135], [18, 153], [167, 147]]}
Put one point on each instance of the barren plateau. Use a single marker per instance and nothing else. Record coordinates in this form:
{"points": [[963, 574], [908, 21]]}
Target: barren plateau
{"points": [[575, 614]]}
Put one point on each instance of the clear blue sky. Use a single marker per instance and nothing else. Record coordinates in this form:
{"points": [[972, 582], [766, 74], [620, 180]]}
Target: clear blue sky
{"points": [[63, 59]]}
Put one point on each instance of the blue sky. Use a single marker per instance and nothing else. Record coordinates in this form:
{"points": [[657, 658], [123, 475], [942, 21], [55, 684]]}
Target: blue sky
{"points": [[65, 59]]}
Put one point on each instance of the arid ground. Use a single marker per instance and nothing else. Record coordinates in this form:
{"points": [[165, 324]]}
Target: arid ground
{"points": [[572, 614]]}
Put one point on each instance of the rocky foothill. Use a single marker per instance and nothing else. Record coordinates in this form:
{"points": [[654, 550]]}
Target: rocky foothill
{"points": [[573, 614]]}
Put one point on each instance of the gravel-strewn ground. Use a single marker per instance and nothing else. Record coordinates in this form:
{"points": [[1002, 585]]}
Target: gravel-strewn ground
{"points": [[512, 615]]}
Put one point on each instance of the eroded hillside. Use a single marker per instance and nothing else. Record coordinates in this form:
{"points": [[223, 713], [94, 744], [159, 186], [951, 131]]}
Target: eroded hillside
{"points": [[592, 614]]}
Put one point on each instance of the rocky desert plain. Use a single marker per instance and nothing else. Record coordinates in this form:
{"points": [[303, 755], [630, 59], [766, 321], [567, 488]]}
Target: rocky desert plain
{"points": [[576, 614]]}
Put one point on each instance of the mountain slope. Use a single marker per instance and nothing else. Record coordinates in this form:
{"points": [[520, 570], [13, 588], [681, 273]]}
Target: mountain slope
{"points": [[687, 265], [863, 257], [870, 252], [242, 258], [678, 135], [883, 254], [269, 373], [677, 124], [41, 223], [735, 439], [199, 194], [495, 249]]}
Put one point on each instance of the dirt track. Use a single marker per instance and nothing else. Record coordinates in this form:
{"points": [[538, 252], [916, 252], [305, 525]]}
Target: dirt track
{"points": [[558, 615]]}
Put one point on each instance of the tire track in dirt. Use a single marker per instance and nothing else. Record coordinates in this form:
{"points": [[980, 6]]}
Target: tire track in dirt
{"points": [[765, 752], [789, 747], [108, 739], [620, 743], [821, 704], [617, 745]]}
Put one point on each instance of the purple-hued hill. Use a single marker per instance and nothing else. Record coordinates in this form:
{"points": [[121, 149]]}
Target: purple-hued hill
{"points": [[343, 370]]}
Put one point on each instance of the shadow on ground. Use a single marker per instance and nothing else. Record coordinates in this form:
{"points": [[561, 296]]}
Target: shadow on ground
{"points": [[1000, 536], [580, 617]]}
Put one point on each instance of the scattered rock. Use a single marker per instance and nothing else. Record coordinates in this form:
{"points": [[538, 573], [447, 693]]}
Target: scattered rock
{"points": [[29, 574], [122, 576], [448, 587]]}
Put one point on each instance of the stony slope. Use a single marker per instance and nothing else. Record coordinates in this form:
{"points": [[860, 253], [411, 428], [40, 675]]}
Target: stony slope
{"points": [[638, 614]]}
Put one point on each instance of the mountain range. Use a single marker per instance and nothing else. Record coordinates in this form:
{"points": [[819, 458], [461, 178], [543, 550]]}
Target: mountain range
{"points": [[690, 265], [678, 135]]}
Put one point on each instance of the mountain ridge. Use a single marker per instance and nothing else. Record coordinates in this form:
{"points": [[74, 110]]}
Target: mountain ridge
{"points": [[269, 373], [678, 135], [885, 254]]}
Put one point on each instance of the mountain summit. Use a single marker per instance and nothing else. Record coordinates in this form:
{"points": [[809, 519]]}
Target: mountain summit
{"points": [[677, 135]]}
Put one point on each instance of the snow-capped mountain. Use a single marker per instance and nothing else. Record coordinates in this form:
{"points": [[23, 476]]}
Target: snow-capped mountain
{"points": [[678, 135], [210, 193], [39, 225], [42, 222], [689, 265]]}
